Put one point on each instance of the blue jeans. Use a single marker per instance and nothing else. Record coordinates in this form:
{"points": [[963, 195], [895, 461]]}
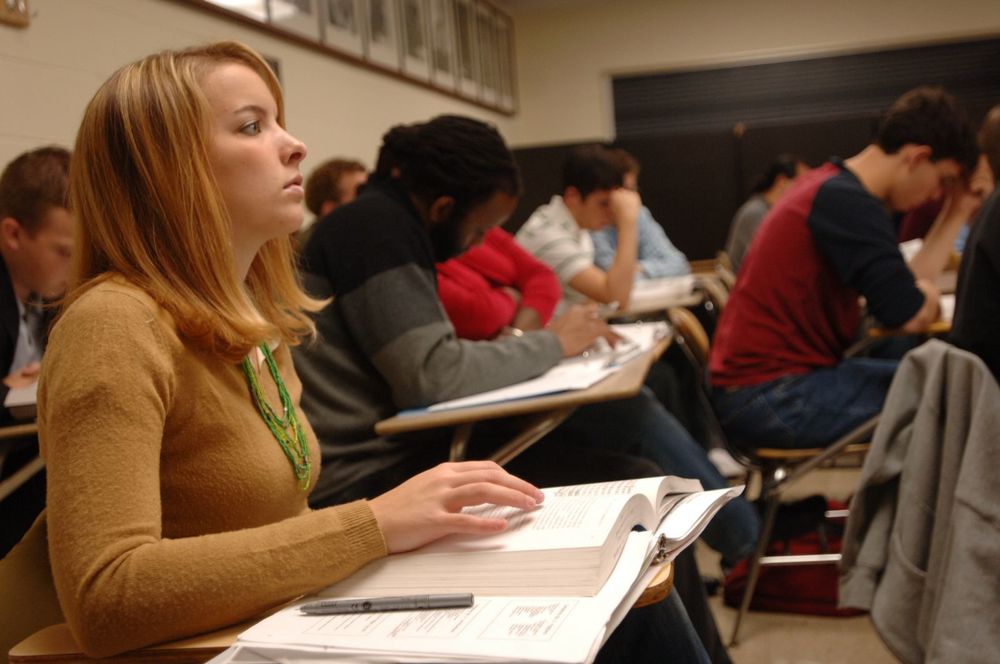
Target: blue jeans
{"points": [[660, 632], [642, 427], [810, 410]]}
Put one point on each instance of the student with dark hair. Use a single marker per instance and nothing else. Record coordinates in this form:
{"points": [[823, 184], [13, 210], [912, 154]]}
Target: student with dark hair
{"points": [[36, 236], [558, 233], [779, 176], [777, 363], [657, 256], [385, 343]]}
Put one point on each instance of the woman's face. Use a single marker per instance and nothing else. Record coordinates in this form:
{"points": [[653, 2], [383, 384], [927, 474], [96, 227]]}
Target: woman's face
{"points": [[255, 161]]}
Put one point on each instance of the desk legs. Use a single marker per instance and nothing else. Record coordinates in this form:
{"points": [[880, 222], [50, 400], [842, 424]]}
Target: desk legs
{"points": [[10, 485], [537, 427]]}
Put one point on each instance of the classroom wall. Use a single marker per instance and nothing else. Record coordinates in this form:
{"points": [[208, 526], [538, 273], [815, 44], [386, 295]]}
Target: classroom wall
{"points": [[49, 71], [567, 51]]}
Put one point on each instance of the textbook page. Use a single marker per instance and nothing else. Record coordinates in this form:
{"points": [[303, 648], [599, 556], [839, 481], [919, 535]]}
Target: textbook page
{"points": [[507, 629]]}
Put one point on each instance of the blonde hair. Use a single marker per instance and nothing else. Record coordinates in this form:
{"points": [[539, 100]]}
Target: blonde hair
{"points": [[150, 210]]}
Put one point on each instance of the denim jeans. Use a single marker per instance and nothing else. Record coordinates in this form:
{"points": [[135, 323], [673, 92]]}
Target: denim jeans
{"points": [[810, 410], [642, 427]]}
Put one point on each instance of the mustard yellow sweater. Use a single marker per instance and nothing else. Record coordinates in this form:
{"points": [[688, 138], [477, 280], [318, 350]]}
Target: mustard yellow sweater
{"points": [[171, 508]]}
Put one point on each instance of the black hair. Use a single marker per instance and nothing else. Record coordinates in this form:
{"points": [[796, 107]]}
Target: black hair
{"points": [[450, 155], [591, 168], [784, 164], [929, 116]]}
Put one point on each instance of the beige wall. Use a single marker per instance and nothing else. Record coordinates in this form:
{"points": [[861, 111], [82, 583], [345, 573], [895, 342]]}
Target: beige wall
{"points": [[567, 51], [49, 71]]}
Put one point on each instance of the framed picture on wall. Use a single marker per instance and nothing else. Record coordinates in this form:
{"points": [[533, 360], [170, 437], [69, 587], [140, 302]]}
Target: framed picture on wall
{"points": [[485, 30], [343, 26], [298, 16], [443, 60], [255, 9], [382, 32], [413, 15], [467, 48], [505, 58]]}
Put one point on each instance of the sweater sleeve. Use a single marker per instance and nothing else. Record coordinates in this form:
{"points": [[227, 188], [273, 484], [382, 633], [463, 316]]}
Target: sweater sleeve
{"points": [[477, 309], [537, 283], [108, 386]]}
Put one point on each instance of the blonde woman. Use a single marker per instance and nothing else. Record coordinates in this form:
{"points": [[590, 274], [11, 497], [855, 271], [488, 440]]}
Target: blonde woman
{"points": [[179, 463]]}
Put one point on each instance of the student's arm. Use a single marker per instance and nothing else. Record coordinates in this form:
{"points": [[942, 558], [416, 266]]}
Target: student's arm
{"points": [[476, 308], [658, 257], [961, 205], [853, 232], [537, 284], [615, 284]]}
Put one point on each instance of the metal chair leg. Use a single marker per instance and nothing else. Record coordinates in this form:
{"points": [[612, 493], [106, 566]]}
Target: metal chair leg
{"points": [[772, 501]]}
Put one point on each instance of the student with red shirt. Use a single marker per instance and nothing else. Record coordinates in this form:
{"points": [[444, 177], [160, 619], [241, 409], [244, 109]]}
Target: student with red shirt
{"points": [[777, 364]]}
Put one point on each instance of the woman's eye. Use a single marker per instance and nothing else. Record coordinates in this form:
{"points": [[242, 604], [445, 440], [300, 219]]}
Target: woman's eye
{"points": [[251, 128]]}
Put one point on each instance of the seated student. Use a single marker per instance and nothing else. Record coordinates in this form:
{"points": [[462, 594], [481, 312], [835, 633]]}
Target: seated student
{"points": [[976, 325], [777, 364], [36, 235], [333, 183], [177, 493], [779, 176], [657, 255], [558, 233], [384, 341], [386, 344]]}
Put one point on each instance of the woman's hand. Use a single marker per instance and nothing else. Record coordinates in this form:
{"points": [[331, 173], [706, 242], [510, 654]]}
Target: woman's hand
{"points": [[429, 506]]}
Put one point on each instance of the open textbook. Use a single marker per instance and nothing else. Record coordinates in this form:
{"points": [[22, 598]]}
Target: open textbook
{"points": [[574, 373], [548, 589]]}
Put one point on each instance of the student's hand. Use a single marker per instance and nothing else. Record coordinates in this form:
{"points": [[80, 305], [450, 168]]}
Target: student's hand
{"points": [[579, 327], [625, 205], [966, 198], [23, 377], [429, 506]]}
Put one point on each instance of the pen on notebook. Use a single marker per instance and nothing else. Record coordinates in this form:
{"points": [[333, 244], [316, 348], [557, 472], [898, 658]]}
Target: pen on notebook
{"points": [[399, 603]]}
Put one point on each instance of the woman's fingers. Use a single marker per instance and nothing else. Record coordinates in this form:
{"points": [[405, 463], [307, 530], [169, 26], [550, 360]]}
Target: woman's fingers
{"points": [[477, 493]]}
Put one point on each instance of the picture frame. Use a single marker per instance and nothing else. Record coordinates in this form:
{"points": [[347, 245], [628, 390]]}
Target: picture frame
{"points": [[485, 31], [507, 61], [415, 33], [382, 39], [255, 9], [443, 55], [297, 16], [344, 26], [467, 48]]}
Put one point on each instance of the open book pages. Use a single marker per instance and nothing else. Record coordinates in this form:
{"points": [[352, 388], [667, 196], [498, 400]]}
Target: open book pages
{"points": [[575, 373], [661, 292], [566, 546], [494, 629]]}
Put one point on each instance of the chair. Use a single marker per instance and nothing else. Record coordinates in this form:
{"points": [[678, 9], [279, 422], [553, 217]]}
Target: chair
{"points": [[776, 468]]}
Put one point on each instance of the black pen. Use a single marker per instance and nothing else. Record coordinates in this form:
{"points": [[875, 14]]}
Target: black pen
{"points": [[398, 603]]}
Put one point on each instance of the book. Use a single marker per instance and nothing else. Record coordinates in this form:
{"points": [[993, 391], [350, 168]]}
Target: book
{"points": [[568, 545], [551, 588], [574, 373], [660, 293]]}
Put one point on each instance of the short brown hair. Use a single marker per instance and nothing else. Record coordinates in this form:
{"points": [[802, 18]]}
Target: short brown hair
{"points": [[989, 139], [929, 116], [324, 182], [33, 183]]}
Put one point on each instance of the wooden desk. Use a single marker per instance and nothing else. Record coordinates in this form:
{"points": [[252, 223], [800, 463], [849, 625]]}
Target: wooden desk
{"points": [[55, 644], [545, 412]]}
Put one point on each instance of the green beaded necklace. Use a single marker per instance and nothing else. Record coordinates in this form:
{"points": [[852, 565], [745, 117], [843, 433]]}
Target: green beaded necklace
{"points": [[293, 442]]}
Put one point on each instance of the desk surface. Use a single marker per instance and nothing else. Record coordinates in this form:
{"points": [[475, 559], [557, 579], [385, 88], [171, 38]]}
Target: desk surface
{"points": [[625, 382], [56, 643]]}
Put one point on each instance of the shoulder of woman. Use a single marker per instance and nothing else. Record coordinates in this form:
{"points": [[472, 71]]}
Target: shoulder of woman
{"points": [[116, 307]]}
